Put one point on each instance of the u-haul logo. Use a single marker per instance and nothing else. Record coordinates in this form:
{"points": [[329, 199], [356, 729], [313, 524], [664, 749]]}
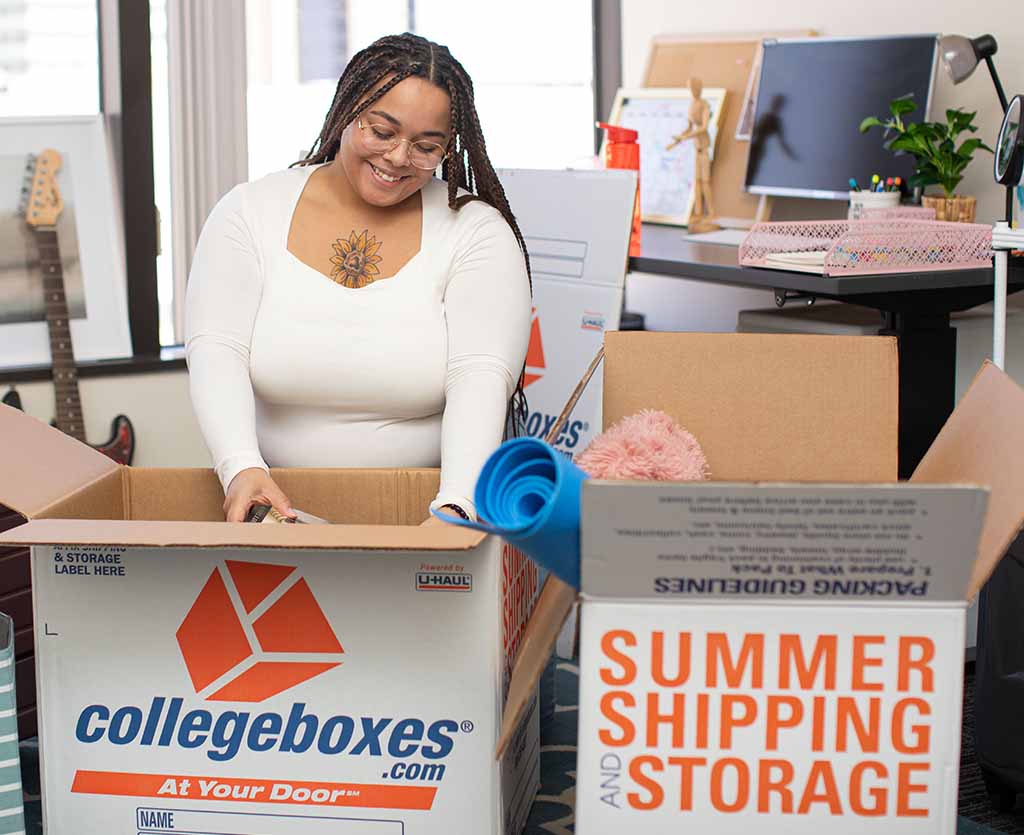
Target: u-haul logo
{"points": [[443, 581], [535, 365], [592, 321], [254, 631]]}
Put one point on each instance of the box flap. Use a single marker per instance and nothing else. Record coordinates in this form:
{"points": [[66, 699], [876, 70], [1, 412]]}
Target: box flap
{"points": [[553, 607], [766, 407], [238, 535], [983, 443], [42, 465], [707, 541]]}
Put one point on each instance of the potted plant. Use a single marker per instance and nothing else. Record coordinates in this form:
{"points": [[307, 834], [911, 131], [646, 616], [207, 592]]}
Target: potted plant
{"points": [[937, 158]]}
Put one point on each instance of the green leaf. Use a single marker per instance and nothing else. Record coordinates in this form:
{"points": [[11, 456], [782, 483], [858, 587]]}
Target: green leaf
{"points": [[871, 122], [949, 184], [904, 104], [969, 146]]}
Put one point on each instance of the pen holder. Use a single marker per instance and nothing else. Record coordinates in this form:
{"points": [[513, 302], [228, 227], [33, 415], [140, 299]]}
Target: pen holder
{"points": [[861, 200]]}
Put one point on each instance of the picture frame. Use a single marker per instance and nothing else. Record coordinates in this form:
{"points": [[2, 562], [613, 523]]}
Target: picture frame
{"points": [[91, 242], [745, 123], [659, 114]]}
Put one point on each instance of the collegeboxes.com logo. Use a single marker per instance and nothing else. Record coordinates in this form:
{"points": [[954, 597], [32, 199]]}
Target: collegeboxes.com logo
{"points": [[254, 631]]}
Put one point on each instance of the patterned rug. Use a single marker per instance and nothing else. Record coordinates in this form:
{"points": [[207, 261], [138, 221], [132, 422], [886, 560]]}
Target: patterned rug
{"points": [[554, 810]]}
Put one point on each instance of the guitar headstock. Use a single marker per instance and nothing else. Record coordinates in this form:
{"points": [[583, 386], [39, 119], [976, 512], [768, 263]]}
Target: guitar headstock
{"points": [[42, 202]]}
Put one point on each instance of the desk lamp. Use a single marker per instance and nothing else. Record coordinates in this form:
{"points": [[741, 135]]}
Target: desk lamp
{"points": [[960, 57]]}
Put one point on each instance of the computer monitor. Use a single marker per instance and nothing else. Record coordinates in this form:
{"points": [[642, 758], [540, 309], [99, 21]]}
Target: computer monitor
{"points": [[811, 98]]}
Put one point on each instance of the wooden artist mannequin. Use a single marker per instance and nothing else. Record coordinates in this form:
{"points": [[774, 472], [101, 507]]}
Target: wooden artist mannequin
{"points": [[699, 118]]}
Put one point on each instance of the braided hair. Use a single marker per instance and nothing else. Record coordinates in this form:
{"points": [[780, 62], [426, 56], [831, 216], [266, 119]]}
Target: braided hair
{"points": [[466, 166]]}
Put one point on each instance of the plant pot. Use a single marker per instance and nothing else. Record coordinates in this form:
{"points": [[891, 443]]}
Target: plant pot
{"points": [[956, 208]]}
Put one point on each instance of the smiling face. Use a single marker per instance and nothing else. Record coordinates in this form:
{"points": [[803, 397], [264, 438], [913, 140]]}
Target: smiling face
{"points": [[414, 110]]}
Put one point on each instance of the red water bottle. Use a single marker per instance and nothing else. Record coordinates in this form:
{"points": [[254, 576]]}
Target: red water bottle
{"points": [[621, 150]]}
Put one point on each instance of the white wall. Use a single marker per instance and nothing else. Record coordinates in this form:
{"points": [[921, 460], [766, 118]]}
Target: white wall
{"points": [[158, 405], [684, 305]]}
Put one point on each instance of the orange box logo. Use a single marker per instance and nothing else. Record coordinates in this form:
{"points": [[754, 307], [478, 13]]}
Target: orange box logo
{"points": [[252, 632], [535, 365]]}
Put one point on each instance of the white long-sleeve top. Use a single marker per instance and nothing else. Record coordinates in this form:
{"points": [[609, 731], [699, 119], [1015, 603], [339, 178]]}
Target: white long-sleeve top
{"points": [[289, 369]]}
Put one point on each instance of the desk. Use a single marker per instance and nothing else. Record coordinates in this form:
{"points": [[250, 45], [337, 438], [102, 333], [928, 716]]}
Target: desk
{"points": [[915, 308]]}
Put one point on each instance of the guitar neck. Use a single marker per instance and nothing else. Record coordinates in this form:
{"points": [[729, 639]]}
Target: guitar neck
{"points": [[55, 304]]}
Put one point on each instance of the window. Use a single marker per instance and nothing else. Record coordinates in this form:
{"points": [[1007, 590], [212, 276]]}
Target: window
{"points": [[162, 170], [534, 85], [49, 58], [534, 88]]}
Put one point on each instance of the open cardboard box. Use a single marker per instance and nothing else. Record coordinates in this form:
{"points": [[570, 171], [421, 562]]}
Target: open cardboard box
{"points": [[184, 663], [782, 647]]}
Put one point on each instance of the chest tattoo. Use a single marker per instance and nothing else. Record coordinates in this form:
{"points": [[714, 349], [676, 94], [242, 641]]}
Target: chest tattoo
{"points": [[355, 259]]}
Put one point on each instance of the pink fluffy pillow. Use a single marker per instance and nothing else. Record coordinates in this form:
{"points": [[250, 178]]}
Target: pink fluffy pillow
{"points": [[648, 446]]}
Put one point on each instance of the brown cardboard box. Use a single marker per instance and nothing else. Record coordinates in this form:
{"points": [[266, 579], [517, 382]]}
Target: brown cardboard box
{"points": [[770, 411]]}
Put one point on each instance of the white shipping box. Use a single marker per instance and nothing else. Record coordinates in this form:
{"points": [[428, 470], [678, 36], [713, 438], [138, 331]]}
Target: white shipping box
{"points": [[566, 333], [576, 225], [773, 657], [207, 677]]}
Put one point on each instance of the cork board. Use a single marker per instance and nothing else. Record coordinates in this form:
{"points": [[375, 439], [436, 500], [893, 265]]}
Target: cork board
{"points": [[726, 61]]}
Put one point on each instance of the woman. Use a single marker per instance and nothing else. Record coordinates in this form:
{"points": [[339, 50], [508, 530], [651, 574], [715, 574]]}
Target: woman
{"points": [[354, 311]]}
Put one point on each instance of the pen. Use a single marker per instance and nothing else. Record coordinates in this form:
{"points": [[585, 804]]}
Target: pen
{"points": [[853, 184], [874, 182], [888, 183]]}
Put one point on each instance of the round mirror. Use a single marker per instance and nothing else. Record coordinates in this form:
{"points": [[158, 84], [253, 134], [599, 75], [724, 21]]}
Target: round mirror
{"points": [[1009, 156]]}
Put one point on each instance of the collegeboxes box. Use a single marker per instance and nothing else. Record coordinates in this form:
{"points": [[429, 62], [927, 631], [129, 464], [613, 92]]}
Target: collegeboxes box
{"points": [[199, 676], [566, 332], [771, 655]]}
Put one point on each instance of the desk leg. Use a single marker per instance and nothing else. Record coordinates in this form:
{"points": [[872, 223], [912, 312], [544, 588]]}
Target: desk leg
{"points": [[927, 350]]}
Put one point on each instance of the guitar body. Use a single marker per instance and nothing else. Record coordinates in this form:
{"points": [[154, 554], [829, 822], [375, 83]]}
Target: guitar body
{"points": [[121, 445]]}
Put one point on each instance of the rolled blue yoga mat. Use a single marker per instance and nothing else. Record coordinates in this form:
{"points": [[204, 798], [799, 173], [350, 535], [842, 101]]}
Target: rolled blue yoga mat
{"points": [[529, 495]]}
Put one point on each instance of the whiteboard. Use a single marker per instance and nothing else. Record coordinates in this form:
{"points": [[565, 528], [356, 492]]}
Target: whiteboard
{"points": [[659, 114]]}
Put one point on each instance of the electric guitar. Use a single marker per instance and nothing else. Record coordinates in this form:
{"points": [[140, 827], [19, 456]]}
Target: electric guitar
{"points": [[42, 205]]}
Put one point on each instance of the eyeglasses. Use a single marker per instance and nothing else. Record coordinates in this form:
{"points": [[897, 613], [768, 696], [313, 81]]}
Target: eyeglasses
{"points": [[382, 139]]}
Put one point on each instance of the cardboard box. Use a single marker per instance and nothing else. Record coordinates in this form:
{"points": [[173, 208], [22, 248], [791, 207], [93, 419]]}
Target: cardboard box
{"points": [[779, 656], [210, 677]]}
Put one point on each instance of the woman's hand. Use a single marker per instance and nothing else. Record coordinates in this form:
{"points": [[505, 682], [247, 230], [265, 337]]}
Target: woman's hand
{"points": [[254, 486], [449, 509]]}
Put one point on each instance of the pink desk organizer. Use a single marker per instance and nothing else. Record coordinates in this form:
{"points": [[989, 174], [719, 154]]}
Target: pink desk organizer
{"points": [[899, 213], [871, 247]]}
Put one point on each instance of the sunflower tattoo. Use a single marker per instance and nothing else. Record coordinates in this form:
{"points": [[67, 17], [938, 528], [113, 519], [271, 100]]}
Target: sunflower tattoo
{"points": [[354, 263]]}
